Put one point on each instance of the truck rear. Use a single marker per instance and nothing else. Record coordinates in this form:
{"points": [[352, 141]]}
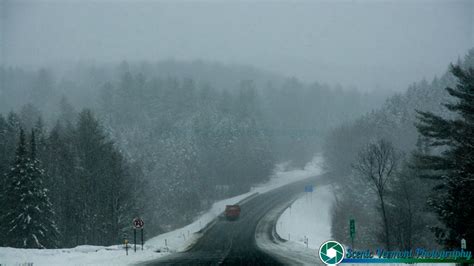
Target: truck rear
{"points": [[232, 212]]}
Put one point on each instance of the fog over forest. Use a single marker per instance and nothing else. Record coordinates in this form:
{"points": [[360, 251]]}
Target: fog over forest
{"points": [[369, 45], [111, 110]]}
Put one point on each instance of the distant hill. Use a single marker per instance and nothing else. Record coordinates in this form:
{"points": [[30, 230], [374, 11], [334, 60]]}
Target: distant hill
{"points": [[394, 120]]}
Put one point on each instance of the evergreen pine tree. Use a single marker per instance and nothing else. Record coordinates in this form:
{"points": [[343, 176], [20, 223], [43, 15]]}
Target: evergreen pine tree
{"points": [[29, 219], [3, 147], [454, 166], [46, 215], [3, 168], [14, 178]]}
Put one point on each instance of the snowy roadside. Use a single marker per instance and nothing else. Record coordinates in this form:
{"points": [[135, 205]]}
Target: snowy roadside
{"points": [[168, 243], [308, 217], [178, 240]]}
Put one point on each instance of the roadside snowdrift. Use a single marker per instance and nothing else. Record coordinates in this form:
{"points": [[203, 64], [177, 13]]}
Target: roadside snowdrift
{"points": [[308, 217]]}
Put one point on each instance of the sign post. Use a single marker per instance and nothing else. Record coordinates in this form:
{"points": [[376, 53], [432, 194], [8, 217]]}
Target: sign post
{"points": [[137, 224], [126, 246], [352, 231], [142, 236], [134, 240]]}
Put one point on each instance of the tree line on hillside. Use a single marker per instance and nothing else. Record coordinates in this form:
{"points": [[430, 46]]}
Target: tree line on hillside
{"points": [[195, 145], [188, 140], [298, 114], [67, 186], [410, 165]]}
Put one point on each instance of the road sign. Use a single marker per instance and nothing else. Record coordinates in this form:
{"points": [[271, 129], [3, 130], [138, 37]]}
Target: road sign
{"points": [[463, 243], [308, 188], [352, 229], [138, 223]]}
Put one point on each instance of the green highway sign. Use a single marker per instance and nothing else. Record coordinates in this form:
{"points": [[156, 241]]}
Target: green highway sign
{"points": [[352, 229]]}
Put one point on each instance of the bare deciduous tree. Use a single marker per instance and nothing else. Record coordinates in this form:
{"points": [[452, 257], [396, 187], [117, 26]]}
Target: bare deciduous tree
{"points": [[376, 163]]}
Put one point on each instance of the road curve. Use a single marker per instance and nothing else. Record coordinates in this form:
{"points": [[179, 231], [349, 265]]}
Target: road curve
{"points": [[233, 242]]}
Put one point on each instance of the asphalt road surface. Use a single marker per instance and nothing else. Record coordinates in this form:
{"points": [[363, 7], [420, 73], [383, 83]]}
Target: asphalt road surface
{"points": [[233, 242]]}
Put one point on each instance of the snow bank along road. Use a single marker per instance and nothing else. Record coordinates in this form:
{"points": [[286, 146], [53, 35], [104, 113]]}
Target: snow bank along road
{"points": [[233, 242]]}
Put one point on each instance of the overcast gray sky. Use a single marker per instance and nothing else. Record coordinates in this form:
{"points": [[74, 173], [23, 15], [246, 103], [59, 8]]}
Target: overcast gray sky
{"points": [[367, 44]]}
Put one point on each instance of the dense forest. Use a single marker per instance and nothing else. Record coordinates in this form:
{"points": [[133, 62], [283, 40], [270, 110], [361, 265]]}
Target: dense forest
{"points": [[88, 188], [403, 170], [162, 141]]}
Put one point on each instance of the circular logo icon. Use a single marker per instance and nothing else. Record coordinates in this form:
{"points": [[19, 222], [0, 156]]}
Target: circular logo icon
{"points": [[331, 252]]}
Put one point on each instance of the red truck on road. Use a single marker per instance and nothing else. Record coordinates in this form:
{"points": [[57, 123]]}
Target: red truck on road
{"points": [[232, 212]]}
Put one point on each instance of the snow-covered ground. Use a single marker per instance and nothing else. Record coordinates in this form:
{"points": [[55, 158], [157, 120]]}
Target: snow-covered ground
{"points": [[81, 255], [308, 218], [174, 241]]}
